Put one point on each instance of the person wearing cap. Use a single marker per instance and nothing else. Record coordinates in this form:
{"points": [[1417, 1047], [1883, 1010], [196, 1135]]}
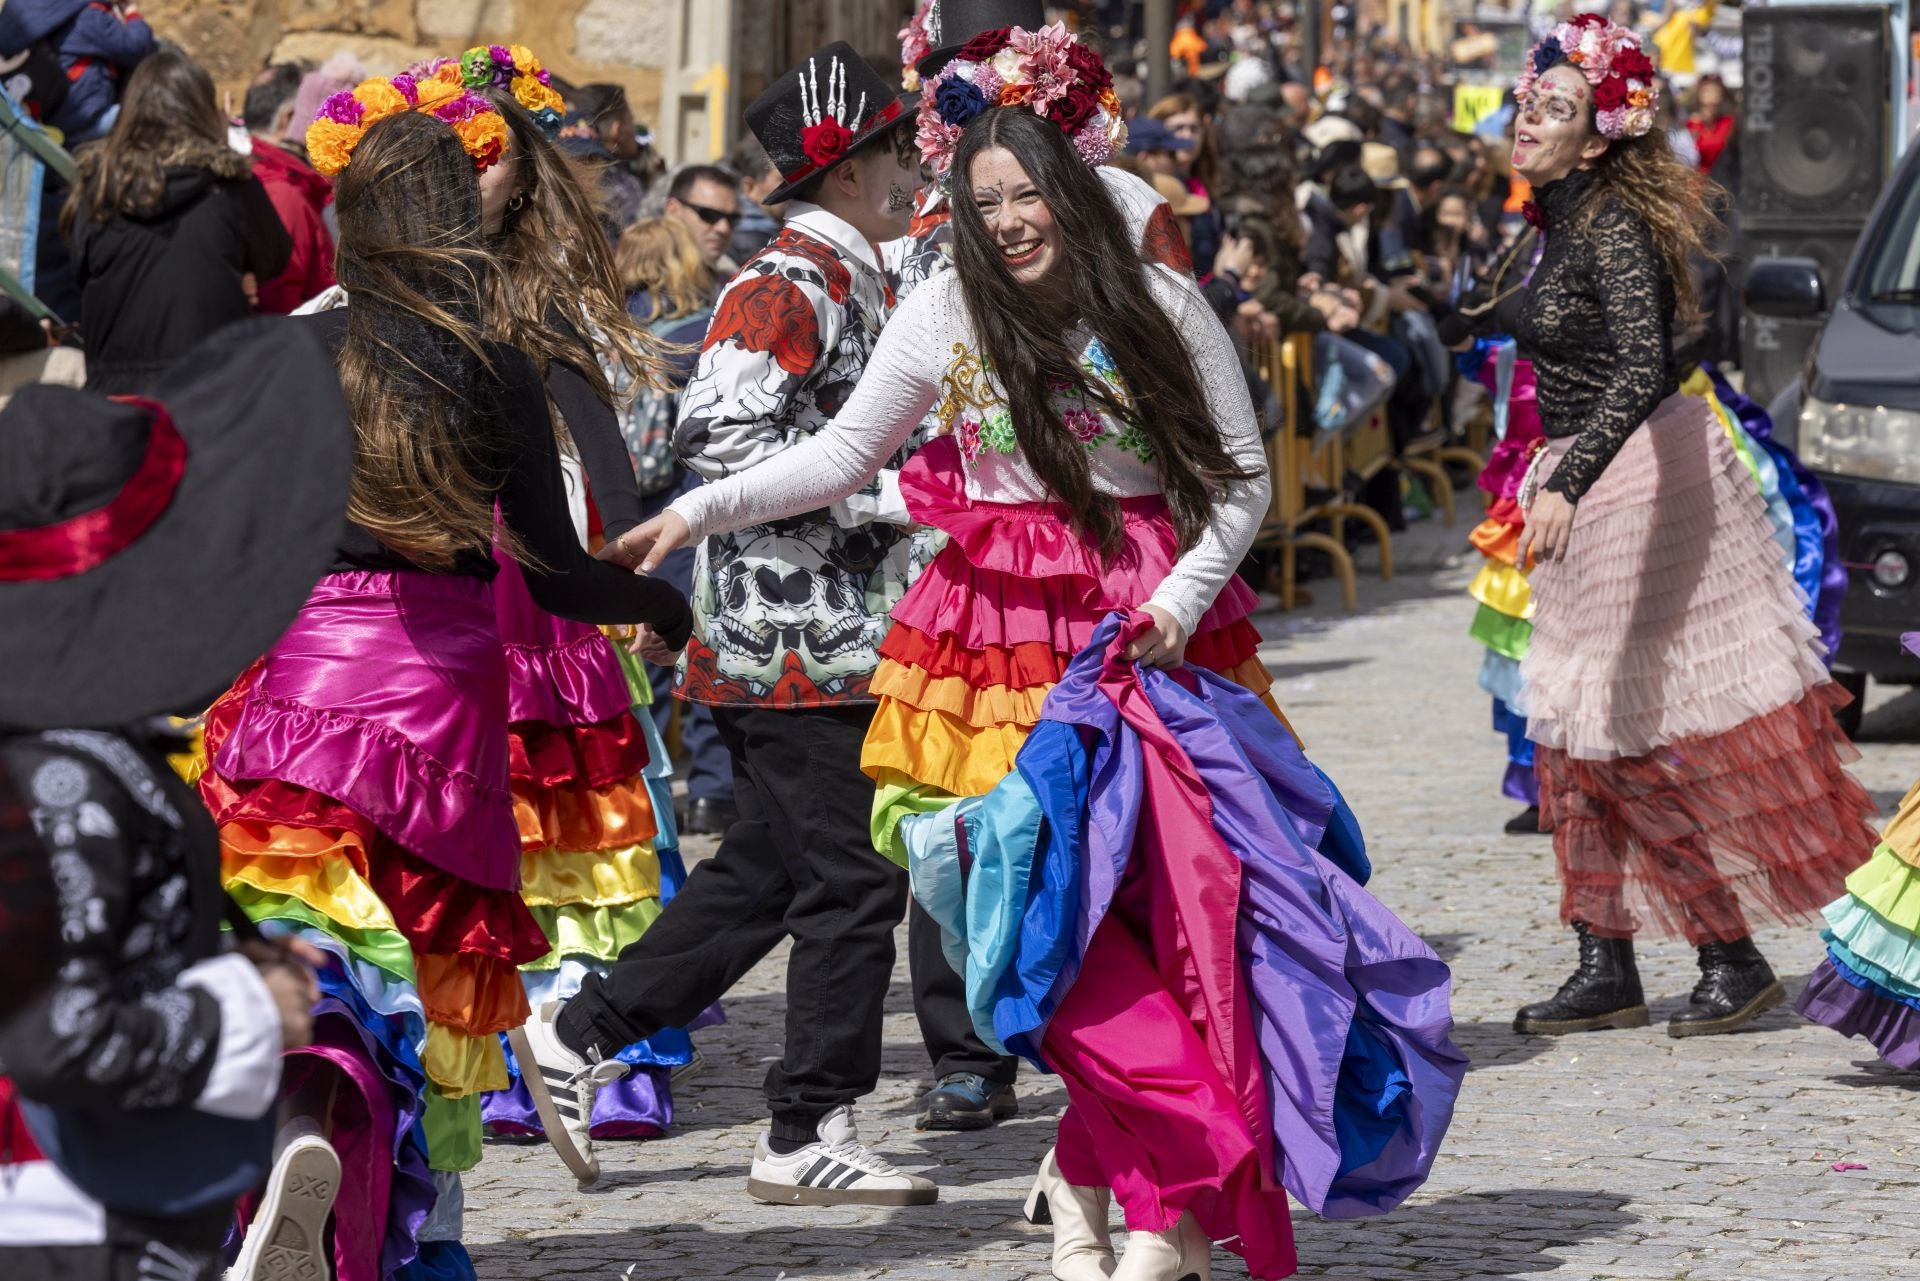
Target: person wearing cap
{"points": [[788, 619], [149, 550], [1157, 147]]}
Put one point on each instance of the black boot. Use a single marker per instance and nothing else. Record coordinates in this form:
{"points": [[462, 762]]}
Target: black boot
{"points": [[1604, 992], [1525, 823], [1736, 986]]}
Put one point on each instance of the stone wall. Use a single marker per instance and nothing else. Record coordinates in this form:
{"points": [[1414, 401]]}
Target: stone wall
{"points": [[581, 40]]}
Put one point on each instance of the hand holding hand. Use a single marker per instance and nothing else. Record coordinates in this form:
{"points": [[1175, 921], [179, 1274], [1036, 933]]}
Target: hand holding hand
{"points": [[648, 645], [1549, 527], [643, 547], [1164, 645]]}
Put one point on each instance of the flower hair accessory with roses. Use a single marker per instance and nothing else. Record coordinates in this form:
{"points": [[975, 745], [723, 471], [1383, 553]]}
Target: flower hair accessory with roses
{"points": [[1047, 71], [344, 119], [1625, 87], [512, 68], [915, 44]]}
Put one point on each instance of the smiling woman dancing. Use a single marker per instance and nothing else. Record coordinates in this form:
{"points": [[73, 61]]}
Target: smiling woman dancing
{"points": [[1688, 758], [1102, 456]]}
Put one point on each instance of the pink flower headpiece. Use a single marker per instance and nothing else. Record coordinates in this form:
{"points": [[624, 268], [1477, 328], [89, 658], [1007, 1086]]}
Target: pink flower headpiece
{"points": [[1622, 75], [1046, 70], [915, 44]]}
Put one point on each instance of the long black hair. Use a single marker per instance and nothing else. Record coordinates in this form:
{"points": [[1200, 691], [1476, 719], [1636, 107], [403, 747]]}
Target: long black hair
{"points": [[1030, 354]]}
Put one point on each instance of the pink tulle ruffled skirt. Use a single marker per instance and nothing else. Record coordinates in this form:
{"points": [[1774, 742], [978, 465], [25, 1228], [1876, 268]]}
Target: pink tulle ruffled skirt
{"points": [[1688, 757]]}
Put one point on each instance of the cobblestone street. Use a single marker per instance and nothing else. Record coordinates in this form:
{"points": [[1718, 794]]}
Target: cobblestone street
{"points": [[1611, 1155]]}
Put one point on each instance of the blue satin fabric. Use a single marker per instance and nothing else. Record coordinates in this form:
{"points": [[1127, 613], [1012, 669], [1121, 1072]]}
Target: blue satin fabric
{"points": [[1350, 1008]]}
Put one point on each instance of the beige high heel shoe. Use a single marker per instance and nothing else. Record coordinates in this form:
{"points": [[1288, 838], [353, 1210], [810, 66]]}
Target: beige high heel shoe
{"points": [[1082, 1246], [1181, 1253]]}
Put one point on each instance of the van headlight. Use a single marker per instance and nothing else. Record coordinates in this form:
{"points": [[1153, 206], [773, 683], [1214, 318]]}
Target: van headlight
{"points": [[1860, 440]]}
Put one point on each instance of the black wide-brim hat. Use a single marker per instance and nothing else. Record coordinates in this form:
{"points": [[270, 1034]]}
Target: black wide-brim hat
{"points": [[954, 22], [136, 581], [834, 84]]}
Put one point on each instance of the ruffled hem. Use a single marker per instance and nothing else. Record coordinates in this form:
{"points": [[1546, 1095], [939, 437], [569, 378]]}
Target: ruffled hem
{"points": [[477, 995], [601, 818], [1507, 637], [460, 1065], [1889, 887], [1034, 663], [1902, 833], [978, 706], [637, 1106], [593, 933], [1853, 1007], [559, 672], [1696, 838], [1503, 589], [1497, 541], [577, 756], [597, 878], [443, 815]]}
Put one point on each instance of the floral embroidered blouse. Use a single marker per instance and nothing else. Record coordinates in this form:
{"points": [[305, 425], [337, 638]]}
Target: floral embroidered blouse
{"points": [[929, 359]]}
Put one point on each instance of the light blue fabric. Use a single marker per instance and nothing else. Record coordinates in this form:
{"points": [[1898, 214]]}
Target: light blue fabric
{"points": [[1500, 677]]}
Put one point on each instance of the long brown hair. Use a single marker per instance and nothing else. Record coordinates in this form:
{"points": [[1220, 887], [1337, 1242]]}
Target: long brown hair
{"points": [[413, 265], [661, 256], [167, 117], [1030, 354], [1674, 199], [553, 256]]}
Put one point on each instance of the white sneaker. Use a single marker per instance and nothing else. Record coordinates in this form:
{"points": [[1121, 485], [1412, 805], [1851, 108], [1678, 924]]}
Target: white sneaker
{"points": [[563, 1085], [835, 1169], [287, 1240]]}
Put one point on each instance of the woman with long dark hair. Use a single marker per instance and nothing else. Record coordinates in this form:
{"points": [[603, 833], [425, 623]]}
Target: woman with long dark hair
{"points": [[1101, 454], [360, 771], [1688, 760], [593, 828], [169, 229]]}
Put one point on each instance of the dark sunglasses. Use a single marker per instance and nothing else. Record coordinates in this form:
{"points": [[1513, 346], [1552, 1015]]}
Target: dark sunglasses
{"points": [[711, 216]]}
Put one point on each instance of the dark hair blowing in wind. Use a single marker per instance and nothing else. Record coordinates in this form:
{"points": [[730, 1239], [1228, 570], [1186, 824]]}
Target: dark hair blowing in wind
{"points": [[412, 261], [1030, 352]]}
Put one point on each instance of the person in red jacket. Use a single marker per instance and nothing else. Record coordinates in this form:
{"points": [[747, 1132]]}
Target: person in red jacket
{"points": [[299, 194]]}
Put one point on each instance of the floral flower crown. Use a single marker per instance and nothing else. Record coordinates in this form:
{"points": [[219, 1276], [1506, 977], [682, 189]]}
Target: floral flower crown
{"points": [[509, 67], [345, 118], [1046, 70], [915, 44], [1610, 57]]}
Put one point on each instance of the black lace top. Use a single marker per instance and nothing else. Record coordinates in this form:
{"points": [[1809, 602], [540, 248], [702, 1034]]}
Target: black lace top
{"points": [[1597, 323]]}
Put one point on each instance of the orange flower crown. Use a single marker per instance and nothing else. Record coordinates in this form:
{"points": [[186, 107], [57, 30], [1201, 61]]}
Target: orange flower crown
{"points": [[344, 119], [503, 66]]}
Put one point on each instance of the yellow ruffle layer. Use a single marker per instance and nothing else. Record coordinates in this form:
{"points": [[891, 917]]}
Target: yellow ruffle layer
{"points": [[939, 749], [1504, 589], [329, 884], [459, 1065], [597, 878], [1902, 834]]}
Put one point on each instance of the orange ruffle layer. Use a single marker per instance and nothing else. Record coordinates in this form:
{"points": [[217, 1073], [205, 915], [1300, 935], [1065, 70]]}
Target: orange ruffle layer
{"points": [[602, 818]]}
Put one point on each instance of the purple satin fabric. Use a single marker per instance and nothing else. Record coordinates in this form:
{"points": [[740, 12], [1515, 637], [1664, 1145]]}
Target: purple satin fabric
{"points": [[637, 1106], [559, 672], [1892, 1028], [386, 1190], [1320, 952], [389, 694]]}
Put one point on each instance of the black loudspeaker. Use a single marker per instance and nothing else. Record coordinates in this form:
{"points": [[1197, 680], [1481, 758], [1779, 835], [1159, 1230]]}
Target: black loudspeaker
{"points": [[1813, 127], [1772, 350]]}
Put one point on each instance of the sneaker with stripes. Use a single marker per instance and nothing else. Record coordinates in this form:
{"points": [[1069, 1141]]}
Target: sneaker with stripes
{"points": [[563, 1085], [835, 1169]]}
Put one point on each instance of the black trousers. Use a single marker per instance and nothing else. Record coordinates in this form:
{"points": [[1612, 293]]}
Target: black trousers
{"points": [[799, 864], [940, 1003]]}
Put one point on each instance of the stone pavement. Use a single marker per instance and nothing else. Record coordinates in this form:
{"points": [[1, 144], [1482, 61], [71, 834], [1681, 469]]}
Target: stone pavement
{"points": [[1613, 1155]]}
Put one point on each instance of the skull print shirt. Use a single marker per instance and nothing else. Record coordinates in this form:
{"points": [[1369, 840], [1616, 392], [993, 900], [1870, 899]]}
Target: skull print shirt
{"points": [[791, 613]]}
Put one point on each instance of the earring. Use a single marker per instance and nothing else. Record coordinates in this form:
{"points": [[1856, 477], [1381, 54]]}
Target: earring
{"points": [[517, 202]]}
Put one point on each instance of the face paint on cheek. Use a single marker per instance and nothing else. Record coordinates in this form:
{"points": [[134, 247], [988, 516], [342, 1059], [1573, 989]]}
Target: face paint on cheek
{"points": [[898, 199]]}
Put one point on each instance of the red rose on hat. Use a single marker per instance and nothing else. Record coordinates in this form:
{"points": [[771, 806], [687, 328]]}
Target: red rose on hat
{"points": [[985, 45], [1610, 94], [1074, 108], [1589, 20], [1633, 63], [826, 142], [1088, 66]]}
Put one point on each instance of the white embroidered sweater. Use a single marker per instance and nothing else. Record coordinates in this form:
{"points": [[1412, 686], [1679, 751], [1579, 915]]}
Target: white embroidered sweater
{"points": [[928, 356]]}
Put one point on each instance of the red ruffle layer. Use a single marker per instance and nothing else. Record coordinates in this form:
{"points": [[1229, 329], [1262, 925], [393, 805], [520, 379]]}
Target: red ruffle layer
{"points": [[578, 756]]}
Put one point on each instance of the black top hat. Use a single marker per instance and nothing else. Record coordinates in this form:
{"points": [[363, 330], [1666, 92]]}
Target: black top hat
{"points": [[151, 548], [821, 112], [951, 23]]}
